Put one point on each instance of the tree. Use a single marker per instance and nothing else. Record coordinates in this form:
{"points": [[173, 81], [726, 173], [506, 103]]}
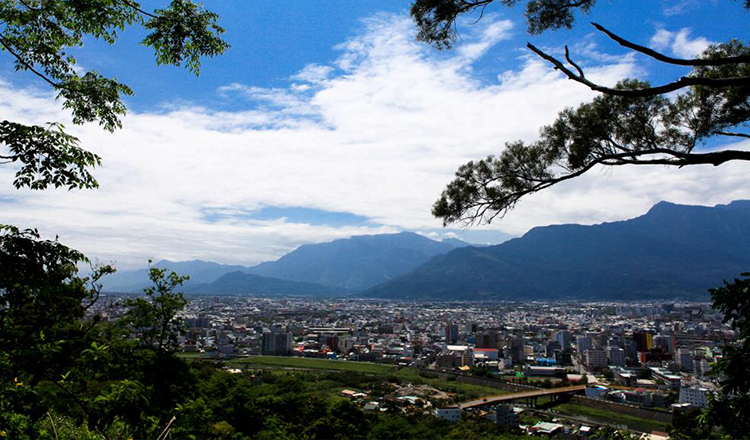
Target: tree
{"points": [[42, 332], [42, 304], [52, 360], [730, 407], [608, 432], [632, 123], [39, 33], [154, 318], [54, 364]]}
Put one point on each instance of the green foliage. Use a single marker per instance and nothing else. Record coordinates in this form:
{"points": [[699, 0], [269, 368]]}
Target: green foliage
{"points": [[610, 130], [611, 433], [41, 303], [720, 108], [686, 425], [42, 335], [49, 157], [39, 34], [183, 33], [395, 428], [609, 416], [729, 409], [57, 427], [436, 19], [154, 318], [94, 375]]}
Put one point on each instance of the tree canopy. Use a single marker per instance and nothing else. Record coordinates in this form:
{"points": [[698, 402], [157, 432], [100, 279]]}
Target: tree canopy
{"points": [[729, 408], [38, 35], [61, 370], [631, 123]]}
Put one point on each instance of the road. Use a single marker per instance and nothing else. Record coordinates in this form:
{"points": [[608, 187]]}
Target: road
{"points": [[522, 395]]}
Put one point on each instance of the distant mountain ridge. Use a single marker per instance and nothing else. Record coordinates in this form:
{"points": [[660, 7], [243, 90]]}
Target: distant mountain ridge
{"points": [[351, 264], [200, 272], [356, 263], [671, 251]]}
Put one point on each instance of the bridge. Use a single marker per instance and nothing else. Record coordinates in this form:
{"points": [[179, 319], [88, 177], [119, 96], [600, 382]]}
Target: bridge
{"points": [[530, 396]]}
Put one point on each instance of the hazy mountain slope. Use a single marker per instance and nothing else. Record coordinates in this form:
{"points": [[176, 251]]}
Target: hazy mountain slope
{"points": [[673, 250], [200, 272], [356, 263]]}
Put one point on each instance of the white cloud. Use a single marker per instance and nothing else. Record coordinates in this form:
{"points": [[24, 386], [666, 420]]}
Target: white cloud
{"points": [[493, 32], [378, 133], [680, 7], [679, 43]]}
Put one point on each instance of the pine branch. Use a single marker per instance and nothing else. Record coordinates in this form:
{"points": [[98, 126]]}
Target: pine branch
{"points": [[685, 81]]}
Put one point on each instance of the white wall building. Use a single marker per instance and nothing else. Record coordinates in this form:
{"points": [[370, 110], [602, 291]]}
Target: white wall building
{"points": [[695, 396]]}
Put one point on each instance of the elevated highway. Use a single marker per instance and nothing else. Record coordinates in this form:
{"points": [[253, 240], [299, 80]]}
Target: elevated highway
{"points": [[530, 396]]}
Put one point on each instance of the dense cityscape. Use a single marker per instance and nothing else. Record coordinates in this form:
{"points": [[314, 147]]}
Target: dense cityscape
{"points": [[651, 356]]}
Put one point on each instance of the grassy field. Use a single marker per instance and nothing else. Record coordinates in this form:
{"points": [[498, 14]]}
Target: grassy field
{"points": [[611, 417], [462, 390], [466, 391], [315, 364]]}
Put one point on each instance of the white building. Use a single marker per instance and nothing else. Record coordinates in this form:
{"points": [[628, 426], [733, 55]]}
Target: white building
{"points": [[452, 414], [695, 396], [485, 354]]}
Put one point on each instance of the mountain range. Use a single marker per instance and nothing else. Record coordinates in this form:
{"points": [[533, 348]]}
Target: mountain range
{"points": [[356, 263], [671, 251], [334, 268]]}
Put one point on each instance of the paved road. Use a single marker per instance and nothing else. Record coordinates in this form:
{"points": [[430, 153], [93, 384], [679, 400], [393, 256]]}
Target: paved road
{"points": [[522, 395]]}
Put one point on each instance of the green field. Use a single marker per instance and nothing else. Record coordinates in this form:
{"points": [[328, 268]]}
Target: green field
{"points": [[463, 391], [314, 364], [611, 417]]}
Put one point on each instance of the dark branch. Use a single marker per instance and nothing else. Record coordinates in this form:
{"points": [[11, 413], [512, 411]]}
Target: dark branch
{"points": [[685, 81], [727, 133], [20, 59], [138, 9], [29, 7], [567, 57], [677, 61], [477, 211]]}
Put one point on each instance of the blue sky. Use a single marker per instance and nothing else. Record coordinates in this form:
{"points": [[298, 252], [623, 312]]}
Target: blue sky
{"points": [[272, 41], [326, 120]]}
